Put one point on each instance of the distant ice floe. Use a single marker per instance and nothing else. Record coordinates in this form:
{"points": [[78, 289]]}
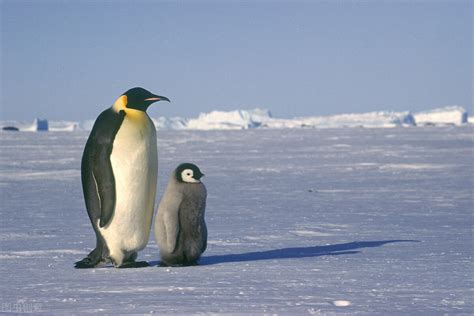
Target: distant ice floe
{"points": [[369, 120], [262, 118], [175, 123], [450, 115], [43, 125], [239, 119]]}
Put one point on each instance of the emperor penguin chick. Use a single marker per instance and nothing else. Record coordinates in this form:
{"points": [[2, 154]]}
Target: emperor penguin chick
{"points": [[180, 229]]}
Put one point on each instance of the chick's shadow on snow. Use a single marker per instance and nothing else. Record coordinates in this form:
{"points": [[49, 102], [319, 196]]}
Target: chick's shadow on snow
{"points": [[298, 252]]}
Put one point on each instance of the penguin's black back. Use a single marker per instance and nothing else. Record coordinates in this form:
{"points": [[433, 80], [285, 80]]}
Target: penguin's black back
{"points": [[96, 168]]}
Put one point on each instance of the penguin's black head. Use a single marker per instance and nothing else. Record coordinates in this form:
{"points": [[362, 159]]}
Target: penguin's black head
{"points": [[141, 99], [188, 173]]}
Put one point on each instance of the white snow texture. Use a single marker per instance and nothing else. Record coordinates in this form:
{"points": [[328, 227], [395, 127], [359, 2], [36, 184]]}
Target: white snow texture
{"points": [[301, 222]]}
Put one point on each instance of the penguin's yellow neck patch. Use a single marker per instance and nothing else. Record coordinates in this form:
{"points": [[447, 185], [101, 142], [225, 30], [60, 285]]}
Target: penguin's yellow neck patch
{"points": [[120, 103], [135, 115]]}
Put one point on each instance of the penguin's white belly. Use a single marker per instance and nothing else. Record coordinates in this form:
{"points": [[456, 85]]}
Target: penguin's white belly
{"points": [[135, 167]]}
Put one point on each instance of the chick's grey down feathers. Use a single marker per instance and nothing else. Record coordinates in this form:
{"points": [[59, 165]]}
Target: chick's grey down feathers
{"points": [[180, 228]]}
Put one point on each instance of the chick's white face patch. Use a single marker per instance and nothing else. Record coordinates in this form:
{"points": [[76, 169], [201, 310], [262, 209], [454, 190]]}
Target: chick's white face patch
{"points": [[187, 176]]}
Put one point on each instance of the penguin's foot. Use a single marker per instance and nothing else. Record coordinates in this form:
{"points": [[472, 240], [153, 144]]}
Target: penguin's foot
{"points": [[190, 263], [134, 264], [88, 263], [178, 264], [119, 262], [94, 258]]}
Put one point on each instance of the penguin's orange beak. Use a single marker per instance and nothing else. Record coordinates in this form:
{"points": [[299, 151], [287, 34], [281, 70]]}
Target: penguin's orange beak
{"points": [[157, 98]]}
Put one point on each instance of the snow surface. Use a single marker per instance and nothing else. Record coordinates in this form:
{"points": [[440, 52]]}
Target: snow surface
{"points": [[262, 118], [304, 221]]}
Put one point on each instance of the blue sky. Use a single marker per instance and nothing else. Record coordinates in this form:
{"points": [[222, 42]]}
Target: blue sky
{"points": [[72, 59]]}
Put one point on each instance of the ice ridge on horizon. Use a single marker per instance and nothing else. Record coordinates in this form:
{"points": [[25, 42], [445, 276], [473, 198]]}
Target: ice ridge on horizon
{"points": [[262, 118]]}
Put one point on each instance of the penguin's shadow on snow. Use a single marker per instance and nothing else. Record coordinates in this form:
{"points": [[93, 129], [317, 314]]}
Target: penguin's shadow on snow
{"points": [[298, 252]]}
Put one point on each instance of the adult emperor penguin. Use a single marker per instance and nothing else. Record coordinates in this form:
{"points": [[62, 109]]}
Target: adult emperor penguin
{"points": [[119, 177], [180, 229]]}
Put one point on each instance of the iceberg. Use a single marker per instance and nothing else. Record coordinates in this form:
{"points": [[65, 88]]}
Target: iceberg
{"points": [[262, 118], [369, 120], [174, 123], [38, 125], [450, 115], [63, 126], [239, 119]]}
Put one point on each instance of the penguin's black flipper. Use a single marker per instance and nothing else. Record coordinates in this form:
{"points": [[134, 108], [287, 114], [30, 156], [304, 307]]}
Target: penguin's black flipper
{"points": [[98, 179], [105, 182]]}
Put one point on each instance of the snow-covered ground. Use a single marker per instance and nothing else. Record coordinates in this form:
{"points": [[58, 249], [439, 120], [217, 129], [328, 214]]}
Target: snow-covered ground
{"points": [[301, 221]]}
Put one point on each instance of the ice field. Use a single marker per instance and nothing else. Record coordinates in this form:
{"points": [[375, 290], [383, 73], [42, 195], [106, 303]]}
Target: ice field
{"points": [[301, 221]]}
